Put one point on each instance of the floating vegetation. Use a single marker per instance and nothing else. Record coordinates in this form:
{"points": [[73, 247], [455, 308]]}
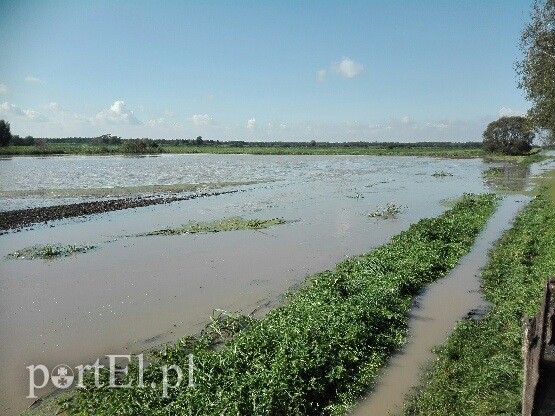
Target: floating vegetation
{"points": [[391, 210], [50, 251], [318, 352], [495, 172], [230, 224], [441, 174]]}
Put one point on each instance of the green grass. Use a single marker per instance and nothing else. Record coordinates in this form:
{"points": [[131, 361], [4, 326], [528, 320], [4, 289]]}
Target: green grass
{"points": [[479, 370], [228, 224], [321, 350], [60, 149], [49, 251]]}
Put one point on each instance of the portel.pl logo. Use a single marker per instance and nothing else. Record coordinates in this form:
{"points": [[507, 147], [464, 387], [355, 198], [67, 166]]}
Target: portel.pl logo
{"points": [[63, 376]]}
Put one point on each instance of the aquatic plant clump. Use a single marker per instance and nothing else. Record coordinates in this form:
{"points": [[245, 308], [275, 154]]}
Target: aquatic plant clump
{"points": [[479, 369], [230, 224], [441, 174], [49, 251], [321, 350], [391, 210]]}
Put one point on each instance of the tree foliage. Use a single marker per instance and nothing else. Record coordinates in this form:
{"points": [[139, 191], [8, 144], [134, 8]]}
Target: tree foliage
{"points": [[537, 68], [509, 135], [5, 134]]}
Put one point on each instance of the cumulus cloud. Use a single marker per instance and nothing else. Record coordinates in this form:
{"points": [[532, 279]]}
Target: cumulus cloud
{"points": [[4, 89], [155, 122], [348, 68], [507, 112], [55, 107], [34, 80], [11, 110], [118, 113], [8, 109], [201, 120], [251, 123], [321, 74]]}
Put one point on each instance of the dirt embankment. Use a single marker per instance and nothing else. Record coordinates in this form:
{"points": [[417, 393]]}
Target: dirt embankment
{"points": [[17, 219]]}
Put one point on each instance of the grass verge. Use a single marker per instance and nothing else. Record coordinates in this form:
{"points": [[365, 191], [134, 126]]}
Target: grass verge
{"points": [[321, 350], [479, 369]]}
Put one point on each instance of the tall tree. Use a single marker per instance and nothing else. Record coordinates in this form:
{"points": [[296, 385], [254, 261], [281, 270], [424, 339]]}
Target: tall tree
{"points": [[5, 134], [537, 68], [509, 135]]}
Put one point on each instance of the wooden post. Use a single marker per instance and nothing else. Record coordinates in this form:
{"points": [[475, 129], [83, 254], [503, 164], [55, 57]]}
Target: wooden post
{"points": [[538, 396]]}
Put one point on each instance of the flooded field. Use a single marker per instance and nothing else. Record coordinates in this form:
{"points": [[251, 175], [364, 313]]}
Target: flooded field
{"points": [[131, 293]]}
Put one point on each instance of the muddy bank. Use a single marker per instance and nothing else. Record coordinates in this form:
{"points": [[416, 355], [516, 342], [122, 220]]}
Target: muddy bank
{"points": [[25, 217]]}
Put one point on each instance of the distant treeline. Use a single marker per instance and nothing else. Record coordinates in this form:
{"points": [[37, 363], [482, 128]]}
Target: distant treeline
{"points": [[108, 139]]}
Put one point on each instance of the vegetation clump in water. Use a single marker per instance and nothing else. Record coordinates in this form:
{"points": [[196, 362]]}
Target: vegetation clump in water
{"points": [[50, 251], [479, 369], [391, 210], [320, 351], [441, 174], [229, 224], [494, 172]]}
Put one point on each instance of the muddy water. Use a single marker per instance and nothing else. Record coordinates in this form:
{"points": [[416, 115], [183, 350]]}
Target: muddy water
{"points": [[432, 319], [133, 293]]}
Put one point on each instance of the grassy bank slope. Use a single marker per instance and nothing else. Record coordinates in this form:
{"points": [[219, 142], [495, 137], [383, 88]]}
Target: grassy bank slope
{"points": [[479, 370], [318, 352]]}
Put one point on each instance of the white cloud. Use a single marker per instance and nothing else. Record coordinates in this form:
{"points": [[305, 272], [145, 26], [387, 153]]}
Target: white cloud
{"points": [[55, 107], [118, 113], [507, 112], [349, 68], [200, 120], [11, 110], [4, 89], [8, 109], [34, 80], [155, 122], [322, 75], [35, 116], [251, 123]]}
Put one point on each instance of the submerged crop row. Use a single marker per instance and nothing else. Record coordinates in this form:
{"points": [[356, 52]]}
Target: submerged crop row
{"points": [[228, 224], [479, 370], [320, 351]]}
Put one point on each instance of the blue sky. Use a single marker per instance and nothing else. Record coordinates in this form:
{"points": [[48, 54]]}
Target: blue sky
{"points": [[260, 70]]}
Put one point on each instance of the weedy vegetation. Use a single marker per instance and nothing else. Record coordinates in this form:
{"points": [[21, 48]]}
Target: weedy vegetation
{"points": [[318, 352], [441, 174], [50, 251], [494, 172], [479, 370], [391, 210], [230, 224]]}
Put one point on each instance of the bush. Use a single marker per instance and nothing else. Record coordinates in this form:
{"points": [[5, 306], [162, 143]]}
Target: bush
{"points": [[140, 146], [509, 135]]}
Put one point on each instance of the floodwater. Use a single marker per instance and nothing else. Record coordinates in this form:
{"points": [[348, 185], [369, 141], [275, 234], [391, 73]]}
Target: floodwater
{"points": [[133, 293]]}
